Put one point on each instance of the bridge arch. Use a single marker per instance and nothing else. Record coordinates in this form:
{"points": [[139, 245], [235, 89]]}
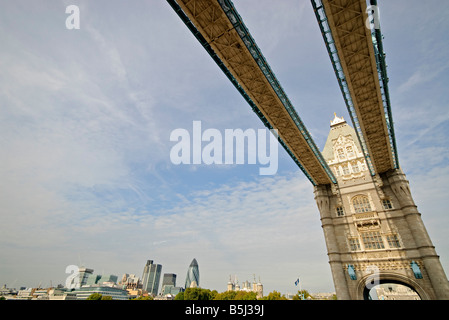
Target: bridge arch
{"points": [[362, 291]]}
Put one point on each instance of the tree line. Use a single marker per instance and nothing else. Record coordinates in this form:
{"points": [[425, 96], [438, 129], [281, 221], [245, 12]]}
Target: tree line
{"points": [[207, 294]]}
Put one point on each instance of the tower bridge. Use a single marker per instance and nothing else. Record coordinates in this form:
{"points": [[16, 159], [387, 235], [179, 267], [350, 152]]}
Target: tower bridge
{"points": [[372, 227]]}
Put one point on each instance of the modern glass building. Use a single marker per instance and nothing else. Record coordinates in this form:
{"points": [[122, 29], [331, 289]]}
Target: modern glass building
{"points": [[93, 279], [100, 279], [193, 275], [84, 274], [169, 278], [168, 281], [151, 276], [115, 293], [107, 278], [169, 285]]}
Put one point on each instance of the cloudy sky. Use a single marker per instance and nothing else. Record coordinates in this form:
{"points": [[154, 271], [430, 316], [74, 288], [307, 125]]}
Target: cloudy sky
{"points": [[85, 123]]}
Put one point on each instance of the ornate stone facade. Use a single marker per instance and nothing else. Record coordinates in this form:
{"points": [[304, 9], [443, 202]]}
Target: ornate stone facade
{"points": [[373, 230]]}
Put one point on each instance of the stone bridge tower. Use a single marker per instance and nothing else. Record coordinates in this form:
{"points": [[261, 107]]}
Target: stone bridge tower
{"points": [[373, 231]]}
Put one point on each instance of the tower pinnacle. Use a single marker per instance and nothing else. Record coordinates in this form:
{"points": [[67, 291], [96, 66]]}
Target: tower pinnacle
{"points": [[337, 120]]}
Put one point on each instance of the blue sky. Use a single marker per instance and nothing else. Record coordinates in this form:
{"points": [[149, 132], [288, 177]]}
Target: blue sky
{"points": [[85, 121]]}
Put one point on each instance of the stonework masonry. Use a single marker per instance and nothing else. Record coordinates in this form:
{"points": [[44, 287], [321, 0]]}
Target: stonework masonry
{"points": [[373, 230]]}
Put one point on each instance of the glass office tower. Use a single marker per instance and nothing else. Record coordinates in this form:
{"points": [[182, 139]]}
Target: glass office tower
{"points": [[169, 279], [193, 275], [151, 276], [168, 282]]}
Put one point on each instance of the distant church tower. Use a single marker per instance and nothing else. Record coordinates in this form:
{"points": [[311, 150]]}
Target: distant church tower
{"points": [[373, 231]]}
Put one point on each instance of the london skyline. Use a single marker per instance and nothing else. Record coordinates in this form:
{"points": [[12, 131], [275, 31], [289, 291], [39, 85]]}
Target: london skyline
{"points": [[85, 122]]}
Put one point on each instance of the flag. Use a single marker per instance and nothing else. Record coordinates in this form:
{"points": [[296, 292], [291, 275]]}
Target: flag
{"points": [[296, 282]]}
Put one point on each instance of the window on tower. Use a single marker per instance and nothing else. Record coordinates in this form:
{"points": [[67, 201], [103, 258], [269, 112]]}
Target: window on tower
{"points": [[363, 166], [393, 241], [354, 244], [372, 240], [361, 204], [337, 171], [341, 153], [349, 151], [387, 204], [340, 211]]}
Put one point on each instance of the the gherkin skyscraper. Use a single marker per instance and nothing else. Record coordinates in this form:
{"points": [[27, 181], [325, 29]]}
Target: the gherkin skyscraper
{"points": [[193, 275]]}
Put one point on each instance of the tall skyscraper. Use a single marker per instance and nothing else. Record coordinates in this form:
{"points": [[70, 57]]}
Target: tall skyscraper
{"points": [[151, 276], [193, 275]]}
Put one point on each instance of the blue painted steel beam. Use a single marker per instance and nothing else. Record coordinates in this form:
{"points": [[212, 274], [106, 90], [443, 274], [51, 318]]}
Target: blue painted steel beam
{"points": [[383, 77]]}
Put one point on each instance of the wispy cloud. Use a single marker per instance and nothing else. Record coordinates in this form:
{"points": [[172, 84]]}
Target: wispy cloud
{"points": [[423, 75]]}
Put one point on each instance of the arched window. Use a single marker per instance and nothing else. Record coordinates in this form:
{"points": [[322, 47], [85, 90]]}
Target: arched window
{"points": [[361, 204]]}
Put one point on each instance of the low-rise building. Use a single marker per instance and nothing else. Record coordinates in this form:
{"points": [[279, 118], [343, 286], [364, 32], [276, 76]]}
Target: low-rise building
{"points": [[8, 293], [61, 294], [393, 291], [323, 295], [106, 289]]}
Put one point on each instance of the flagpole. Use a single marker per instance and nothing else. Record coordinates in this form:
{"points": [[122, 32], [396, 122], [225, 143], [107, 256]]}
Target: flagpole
{"points": [[300, 287]]}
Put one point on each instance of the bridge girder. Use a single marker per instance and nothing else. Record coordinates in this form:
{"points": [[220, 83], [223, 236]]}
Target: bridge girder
{"points": [[356, 53], [219, 28]]}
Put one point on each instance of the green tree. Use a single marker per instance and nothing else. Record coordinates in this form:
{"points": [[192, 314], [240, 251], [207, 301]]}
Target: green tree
{"points": [[236, 295], [197, 294], [179, 296], [227, 295], [106, 298], [244, 295], [144, 298], [213, 294], [95, 296], [274, 295], [298, 296]]}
